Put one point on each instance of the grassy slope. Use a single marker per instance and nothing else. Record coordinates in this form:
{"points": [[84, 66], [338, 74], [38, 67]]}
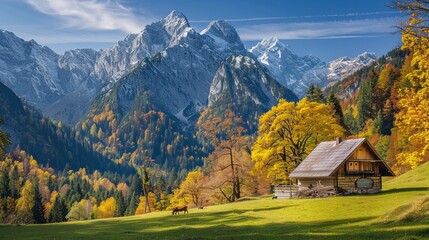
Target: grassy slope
{"points": [[350, 217]]}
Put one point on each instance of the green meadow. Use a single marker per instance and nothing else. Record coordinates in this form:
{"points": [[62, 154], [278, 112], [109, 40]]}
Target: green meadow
{"points": [[401, 211]]}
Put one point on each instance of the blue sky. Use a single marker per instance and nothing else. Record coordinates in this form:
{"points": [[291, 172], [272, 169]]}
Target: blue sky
{"points": [[327, 29]]}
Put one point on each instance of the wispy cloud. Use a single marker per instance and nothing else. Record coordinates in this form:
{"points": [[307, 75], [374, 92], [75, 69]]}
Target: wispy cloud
{"points": [[92, 14], [319, 30], [302, 17]]}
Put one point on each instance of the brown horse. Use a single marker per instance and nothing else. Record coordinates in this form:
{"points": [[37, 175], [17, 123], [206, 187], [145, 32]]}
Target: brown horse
{"points": [[182, 209]]}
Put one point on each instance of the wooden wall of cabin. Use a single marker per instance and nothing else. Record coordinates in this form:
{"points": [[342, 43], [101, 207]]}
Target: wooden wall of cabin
{"points": [[364, 152], [348, 184]]}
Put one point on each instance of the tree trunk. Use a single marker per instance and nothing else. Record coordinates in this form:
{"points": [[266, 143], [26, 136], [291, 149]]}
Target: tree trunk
{"points": [[145, 190], [234, 178]]}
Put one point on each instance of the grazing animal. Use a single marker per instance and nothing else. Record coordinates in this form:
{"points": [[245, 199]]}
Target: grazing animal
{"points": [[274, 197], [177, 210]]}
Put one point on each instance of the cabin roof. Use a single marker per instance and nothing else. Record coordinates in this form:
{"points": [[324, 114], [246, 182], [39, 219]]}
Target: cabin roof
{"points": [[327, 157]]}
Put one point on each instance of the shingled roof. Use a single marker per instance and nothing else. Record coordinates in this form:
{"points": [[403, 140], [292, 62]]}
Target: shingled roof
{"points": [[325, 159]]}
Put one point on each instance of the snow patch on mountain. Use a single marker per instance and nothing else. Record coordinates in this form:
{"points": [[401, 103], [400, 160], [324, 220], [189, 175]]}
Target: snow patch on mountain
{"points": [[291, 70], [345, 66], [298, 72]]}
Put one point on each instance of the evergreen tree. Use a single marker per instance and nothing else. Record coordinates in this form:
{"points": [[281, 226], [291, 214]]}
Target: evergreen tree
{"points": [[4, 139], [335, 102], [59, 210], [318, 95], [378, 122], [310, 93], [4, 183], [15, 183], [136, 185], [38, 208], [366, 99], [120, 204], [134, 202]]}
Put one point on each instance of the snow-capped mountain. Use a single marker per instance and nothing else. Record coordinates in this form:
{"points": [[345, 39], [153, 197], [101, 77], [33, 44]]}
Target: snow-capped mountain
{"points": [[297, 73], [168, 57], [345, 66], [29, 69], [114, 62], [63, 86], [178, 78], [244, 83], [291, 70], [241, 79]]}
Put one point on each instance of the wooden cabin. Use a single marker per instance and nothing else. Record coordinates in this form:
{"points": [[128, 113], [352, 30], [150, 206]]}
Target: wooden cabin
{"points": [[349, 166]]}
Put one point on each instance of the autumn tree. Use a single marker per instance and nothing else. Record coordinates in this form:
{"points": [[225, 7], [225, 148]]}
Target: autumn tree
{"points": [[107, 208], [222, 181], [80, 210], [225, 134], [192, 188], [412, 120], [25, 204], [288, 132]]}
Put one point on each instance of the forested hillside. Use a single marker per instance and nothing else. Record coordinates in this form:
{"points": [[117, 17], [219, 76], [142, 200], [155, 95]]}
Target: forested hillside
{"points": [[53, 144]]}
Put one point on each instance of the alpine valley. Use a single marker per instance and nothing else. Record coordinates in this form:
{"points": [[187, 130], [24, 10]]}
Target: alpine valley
{"points": [[141, 98]]}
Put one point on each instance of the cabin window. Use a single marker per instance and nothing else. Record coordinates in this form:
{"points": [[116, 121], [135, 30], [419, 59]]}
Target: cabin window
{"points": [[359, 167]]}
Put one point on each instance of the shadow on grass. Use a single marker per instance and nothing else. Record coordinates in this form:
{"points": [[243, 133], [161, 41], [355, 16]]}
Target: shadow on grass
{"points": [[400, 190], [229, 224], [194, 227]]}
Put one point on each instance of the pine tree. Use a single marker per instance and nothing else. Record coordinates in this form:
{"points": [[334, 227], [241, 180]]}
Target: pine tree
{"points": [[4, 183], [378, 122], [134, 202], [15, 183], [59, 210], [366, 99], [120, 204], [38, 208], [335, 103], [4, 139], [310, 93], [318, 95]]}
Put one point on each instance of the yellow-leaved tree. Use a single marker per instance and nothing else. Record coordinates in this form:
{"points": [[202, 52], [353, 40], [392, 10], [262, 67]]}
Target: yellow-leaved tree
{"points": [[191, 190], [288, 132], [107, 208], [412, 120]]}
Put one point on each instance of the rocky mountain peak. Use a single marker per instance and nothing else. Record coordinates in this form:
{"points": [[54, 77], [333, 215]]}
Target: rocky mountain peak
{"points": [[344, 66], [175, 23], [272, 44], [225, 37]]}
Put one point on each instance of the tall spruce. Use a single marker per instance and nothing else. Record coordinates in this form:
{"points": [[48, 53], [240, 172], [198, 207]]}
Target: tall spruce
{"points": [[4, 139], [38, 208], [335, 102], [134, 202], [365, 100], [120, 204], [59, 211]]}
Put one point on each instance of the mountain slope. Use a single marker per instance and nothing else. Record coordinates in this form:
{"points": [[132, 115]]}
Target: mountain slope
{"points": [[298, 73], [291, 70], [345, 66], [243, 84], [50, 144]]}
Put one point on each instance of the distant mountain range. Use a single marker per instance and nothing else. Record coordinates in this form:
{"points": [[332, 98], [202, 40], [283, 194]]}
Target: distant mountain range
{"points": [[297, 73], [171, 55], [141, 98]]}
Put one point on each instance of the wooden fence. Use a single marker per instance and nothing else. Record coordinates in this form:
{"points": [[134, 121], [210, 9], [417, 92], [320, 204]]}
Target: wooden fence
{"points": [[285, 191]]}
